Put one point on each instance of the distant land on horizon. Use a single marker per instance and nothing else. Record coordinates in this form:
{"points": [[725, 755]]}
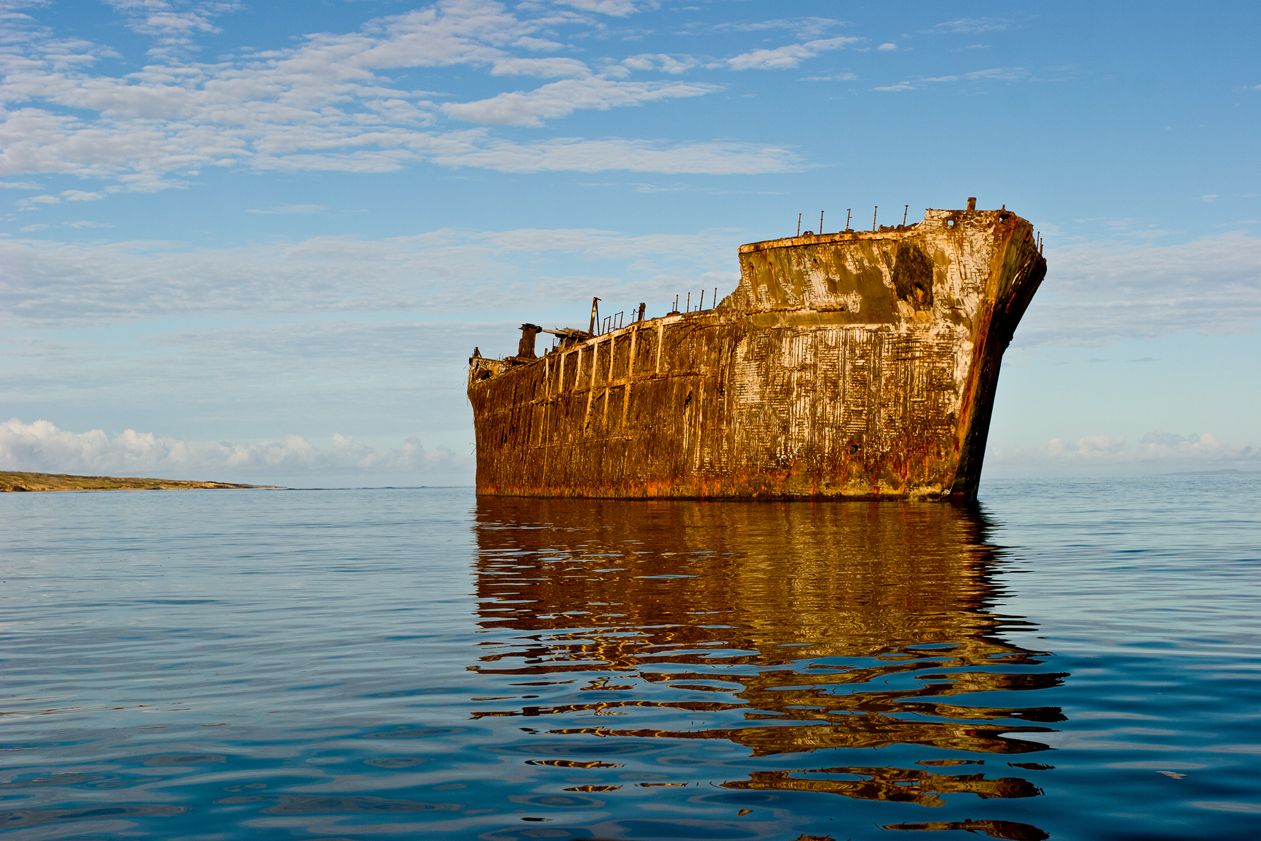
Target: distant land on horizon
{"points": [[11, 480]]}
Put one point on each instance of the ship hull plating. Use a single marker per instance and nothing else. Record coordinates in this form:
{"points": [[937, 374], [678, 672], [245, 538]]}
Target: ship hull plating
{"points": [[855, 365]]}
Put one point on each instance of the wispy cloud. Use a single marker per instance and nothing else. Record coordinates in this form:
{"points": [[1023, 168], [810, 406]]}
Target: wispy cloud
{"points": [[1098, 292], [1158, 448], [540, 67], [173, 25], [989, 74], [831, 77], [612, 8], [789, 55], [450, 271], [81, 195], [807, 27], [560, 99], [288, 210], [346, 102], [660, 61], [42, 446], [577, 155], [972, 26], [390, 374]]}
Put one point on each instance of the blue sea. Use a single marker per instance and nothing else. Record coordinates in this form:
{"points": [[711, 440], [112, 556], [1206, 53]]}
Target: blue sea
{"points": [[1070, 659]]}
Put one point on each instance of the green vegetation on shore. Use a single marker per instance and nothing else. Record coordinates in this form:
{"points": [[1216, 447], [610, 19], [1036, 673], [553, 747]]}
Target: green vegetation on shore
{"points": [[18, 481]]}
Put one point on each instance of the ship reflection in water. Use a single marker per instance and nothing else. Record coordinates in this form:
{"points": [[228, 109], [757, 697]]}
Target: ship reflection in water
{"points": [[779, 652]]}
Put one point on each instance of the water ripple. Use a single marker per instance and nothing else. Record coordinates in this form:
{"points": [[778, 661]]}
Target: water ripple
{"points": [[413, 663]]}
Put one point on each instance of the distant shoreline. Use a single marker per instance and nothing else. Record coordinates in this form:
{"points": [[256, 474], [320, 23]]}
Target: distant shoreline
{"points": [[11, 481]]}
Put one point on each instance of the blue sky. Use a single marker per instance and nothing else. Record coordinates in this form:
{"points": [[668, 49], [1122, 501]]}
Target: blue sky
{"points": [[257, 240]]}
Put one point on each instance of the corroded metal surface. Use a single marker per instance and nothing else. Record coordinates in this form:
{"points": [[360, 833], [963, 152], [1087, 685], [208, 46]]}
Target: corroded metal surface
{"points": [[855, 364]]}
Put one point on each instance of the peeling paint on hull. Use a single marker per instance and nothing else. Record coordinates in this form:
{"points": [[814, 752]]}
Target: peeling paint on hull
{"points": [[855, 365]]}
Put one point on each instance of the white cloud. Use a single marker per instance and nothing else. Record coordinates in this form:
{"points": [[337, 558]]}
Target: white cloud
{"points": [[577, 155], [808, 27], [37, 202], [831, 77], [1156, 448], [288, 210], [660, 61], [333, 102], [448, 270], [1165, 444], [887, 47], [789, 56], [1101, 291], [1088, 446], [40, 446], [560, 99], [612, 8], [972, 26], [536, 44], [541, 67], [989, 74], [1095, 292], [172, 24]]}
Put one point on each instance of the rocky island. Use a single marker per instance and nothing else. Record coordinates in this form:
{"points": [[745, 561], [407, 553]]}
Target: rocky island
{"points": [[11, 480]]}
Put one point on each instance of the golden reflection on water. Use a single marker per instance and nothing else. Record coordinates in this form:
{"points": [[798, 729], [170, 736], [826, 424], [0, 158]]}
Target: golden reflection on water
{"points": [[785, 628]]}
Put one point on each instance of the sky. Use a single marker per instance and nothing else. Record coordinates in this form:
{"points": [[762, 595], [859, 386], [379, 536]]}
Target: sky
{"points": [[257, 241]]}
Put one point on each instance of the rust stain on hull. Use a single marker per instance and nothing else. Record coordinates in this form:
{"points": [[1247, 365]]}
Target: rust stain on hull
{"points": [[855, 364]]}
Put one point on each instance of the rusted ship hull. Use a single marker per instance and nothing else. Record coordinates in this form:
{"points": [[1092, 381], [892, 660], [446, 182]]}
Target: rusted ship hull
{"points": [[855, 364]]}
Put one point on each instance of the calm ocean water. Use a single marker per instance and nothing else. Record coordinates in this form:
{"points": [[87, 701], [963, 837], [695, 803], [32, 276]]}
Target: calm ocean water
{"points": [[1072, 660]]}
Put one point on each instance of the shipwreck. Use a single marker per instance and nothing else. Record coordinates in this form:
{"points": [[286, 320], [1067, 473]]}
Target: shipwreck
{"points": [[854, 364]]}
